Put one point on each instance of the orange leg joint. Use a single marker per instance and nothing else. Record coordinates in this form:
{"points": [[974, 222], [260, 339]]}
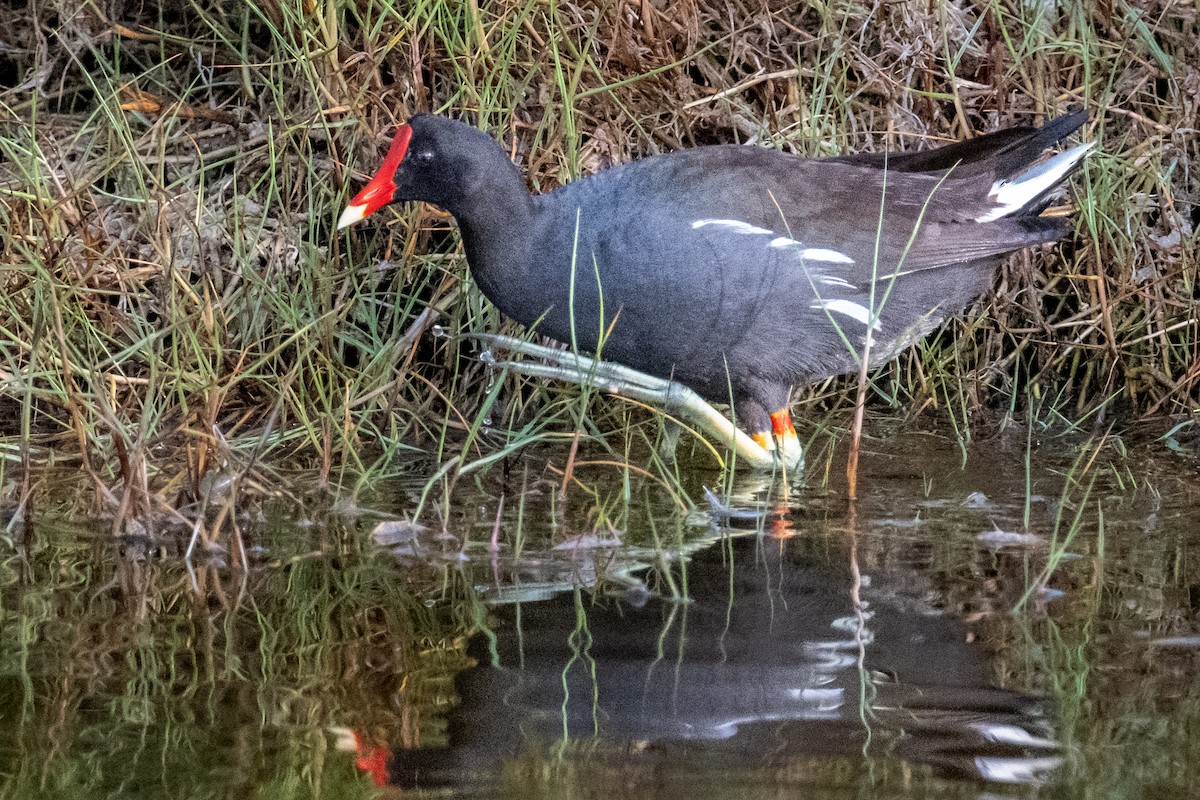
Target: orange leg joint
{"points": [[781, 439], [781, 422], [785, 435]]}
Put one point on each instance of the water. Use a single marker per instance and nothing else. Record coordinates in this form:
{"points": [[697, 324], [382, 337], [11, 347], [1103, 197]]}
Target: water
{"points": [[922, 641]]}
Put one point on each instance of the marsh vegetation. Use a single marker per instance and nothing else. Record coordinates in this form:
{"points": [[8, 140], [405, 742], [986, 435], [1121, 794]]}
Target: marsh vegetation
{"points": [[210, 401]]}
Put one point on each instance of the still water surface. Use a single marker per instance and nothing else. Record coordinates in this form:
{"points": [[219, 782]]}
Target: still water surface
{"points": [[1023, 625]]}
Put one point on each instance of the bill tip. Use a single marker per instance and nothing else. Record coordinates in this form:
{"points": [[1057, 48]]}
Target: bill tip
{"points": [[351, 215]]}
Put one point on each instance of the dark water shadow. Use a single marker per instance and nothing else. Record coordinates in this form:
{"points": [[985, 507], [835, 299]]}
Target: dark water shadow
{"points": [[785, 661]]}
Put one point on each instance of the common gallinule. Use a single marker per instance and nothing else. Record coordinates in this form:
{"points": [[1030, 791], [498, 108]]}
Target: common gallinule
{"points": [[735, 271]]}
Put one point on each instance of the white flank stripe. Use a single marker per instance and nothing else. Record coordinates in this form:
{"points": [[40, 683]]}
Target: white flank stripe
{"points": [[734, 225], [850, 308], [821, 254], [1010, 734], [1012, 195], [779, 242]]}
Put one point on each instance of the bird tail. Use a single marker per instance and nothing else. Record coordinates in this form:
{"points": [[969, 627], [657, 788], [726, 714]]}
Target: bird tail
{"points": [[1026, 193], [1001, 153]]}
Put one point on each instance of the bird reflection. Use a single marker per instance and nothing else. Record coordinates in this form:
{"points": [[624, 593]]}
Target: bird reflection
{"points": [[785, 653]]}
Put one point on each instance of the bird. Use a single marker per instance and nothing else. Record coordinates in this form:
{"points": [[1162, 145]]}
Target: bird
{"points": [[732, 273]]}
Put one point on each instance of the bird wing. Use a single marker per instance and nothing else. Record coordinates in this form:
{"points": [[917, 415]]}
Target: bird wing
{"points": [[867, 221]]}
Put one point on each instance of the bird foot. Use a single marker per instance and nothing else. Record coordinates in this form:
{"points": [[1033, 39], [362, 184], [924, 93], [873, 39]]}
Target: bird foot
{"points": [[612, 378]]}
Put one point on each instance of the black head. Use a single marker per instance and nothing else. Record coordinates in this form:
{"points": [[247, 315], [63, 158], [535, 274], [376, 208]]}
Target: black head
{"points": [[432, 159]]}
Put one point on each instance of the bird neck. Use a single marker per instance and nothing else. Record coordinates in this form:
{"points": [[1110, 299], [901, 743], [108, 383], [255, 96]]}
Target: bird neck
{"points": [[495, 219]]}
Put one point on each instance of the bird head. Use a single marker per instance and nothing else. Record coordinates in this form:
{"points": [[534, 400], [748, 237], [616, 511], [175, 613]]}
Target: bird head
{"points": [[431, 159]]}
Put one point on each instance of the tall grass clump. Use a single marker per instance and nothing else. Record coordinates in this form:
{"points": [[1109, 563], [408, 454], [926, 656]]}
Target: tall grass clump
{"points": [[174, 301]]}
